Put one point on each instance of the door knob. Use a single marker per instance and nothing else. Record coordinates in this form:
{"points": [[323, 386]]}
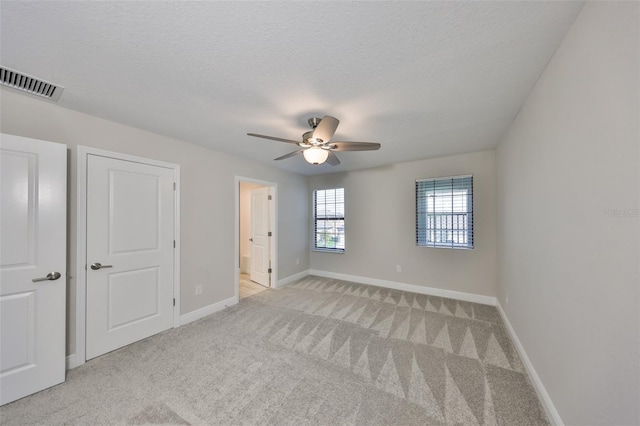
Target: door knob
{"points": [[96, 266], [251, 239], [51, 276]]}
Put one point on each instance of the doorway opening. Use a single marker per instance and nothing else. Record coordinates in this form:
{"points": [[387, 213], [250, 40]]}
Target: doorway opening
{"points": [[256, 219]]}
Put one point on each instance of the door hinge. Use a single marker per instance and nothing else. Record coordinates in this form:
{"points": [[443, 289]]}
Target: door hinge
{"points": [[269, 234], [174, 186], [174, 243], [174, 301], [269, 270], [269, 198]]}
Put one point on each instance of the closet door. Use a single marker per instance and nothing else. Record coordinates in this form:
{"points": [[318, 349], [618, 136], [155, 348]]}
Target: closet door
{"points": [[33, 219]]}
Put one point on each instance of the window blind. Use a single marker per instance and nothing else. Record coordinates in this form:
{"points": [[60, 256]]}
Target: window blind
{"points": [[328, 223], [444, 212]]}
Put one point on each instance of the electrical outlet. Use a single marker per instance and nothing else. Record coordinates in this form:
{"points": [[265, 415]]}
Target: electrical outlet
{"points": [[398, 268], [198, 290]]}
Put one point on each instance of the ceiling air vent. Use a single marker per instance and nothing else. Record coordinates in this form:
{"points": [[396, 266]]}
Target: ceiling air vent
{"points": [[31, 85]]}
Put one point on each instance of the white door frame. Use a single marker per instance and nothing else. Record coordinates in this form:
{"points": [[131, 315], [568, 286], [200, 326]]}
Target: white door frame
{"points": [[273, 206], [81, 240]]}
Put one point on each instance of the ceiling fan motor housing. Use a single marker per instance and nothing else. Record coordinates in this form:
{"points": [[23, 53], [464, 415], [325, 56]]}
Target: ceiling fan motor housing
{"points": [[308, 140], [307, 137]]}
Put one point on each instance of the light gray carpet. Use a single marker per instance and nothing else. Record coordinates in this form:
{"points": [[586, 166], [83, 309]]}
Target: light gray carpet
{"points": [[319, 351]]}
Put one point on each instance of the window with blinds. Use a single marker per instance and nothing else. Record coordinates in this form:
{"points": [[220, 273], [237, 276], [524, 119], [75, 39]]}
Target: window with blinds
{"points": [[444, 212], [328, 220]]}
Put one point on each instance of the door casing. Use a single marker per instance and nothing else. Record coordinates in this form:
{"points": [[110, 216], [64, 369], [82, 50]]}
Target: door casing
{"points": [[273, 205], [81, 241]]}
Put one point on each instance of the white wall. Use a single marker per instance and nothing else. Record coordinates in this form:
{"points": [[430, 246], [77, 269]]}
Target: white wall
{"points": [[571, 269], [380, 226], [207, 196]]}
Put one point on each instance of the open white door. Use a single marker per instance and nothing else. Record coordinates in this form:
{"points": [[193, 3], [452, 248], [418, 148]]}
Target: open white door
{"points": [[260, 244], [33, 218], [130, 235]]}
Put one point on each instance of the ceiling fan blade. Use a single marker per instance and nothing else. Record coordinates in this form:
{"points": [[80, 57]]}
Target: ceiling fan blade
{"points": [[272, 138], [326, 128], [291, 154], [332, 159], [354, 146]]}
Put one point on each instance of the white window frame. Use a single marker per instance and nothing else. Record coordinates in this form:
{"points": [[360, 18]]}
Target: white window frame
{"points": [[335, 217], [450, 226]]}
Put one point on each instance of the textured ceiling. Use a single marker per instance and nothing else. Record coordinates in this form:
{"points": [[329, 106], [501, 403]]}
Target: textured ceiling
{"points": [[424, 79]]}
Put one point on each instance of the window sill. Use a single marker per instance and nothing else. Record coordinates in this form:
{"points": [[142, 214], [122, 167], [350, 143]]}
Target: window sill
{"points": [[446, 247], [328, 250]]}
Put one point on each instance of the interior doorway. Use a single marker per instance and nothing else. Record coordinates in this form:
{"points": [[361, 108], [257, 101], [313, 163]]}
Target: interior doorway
{"points": [[256, 229]]}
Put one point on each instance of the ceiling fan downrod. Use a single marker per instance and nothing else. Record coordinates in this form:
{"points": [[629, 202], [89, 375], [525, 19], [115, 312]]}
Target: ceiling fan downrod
{"points": [[313, 122]]}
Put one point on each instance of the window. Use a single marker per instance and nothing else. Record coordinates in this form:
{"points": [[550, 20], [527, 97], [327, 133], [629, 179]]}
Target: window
{"points": [[328, 220], [444, 212]]}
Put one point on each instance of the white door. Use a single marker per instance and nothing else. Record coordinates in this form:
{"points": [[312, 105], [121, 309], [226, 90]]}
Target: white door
{"points": [[130, 234], [260, 252], [33, 226]]}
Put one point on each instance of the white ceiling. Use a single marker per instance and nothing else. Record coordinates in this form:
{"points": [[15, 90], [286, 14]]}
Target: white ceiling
{"points": [[424, 79]]}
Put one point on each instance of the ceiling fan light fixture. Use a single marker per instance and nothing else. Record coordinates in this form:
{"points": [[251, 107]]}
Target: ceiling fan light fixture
{"points": [[315, 155], [315, 146]]}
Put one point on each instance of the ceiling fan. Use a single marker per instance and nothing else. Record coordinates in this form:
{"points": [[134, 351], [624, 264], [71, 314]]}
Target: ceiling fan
{"points": [[316, 145]]}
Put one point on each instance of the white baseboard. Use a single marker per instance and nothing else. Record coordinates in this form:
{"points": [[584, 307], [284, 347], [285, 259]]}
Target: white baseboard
{"points": [[72, 362], [207, 310], [547, 403], [291, 278], [451, 294]]}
